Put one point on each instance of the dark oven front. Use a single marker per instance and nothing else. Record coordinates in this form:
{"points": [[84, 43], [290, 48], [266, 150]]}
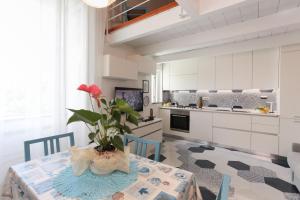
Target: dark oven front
{"points": [[180, 120]]}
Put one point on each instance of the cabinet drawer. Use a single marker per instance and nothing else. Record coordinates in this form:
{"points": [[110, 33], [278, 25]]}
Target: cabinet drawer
{"points": [[265, 124], [142, 131], [266, 144], [274, 121], [234, 138], [234, 121]]}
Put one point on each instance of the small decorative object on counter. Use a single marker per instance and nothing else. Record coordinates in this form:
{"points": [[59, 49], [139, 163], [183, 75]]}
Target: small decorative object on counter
{"points": [[106, 125], [200, 102]]}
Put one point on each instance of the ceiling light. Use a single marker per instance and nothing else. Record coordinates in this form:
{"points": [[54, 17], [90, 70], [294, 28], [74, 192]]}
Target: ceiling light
{"points": [[98, 3]]}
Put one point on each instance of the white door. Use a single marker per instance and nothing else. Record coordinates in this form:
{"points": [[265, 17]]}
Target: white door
{"points": [[290, 84], [206, 73], [166, 76], [265, 69], [224, 72], [289, 133], [201, 125], [242, 70]]}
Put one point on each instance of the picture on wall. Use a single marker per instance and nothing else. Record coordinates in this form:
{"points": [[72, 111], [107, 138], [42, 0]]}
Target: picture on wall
{"points": [[146, 86]]}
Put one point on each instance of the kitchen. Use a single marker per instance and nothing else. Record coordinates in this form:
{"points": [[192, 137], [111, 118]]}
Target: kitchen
{"points": [[239, 100]]}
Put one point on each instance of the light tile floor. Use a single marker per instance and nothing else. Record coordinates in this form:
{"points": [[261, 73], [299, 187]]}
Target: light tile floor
{"points": [[252, 176]]}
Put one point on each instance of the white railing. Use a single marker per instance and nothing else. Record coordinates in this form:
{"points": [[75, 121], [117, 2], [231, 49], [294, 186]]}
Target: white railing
{"points": [[117, 13]]}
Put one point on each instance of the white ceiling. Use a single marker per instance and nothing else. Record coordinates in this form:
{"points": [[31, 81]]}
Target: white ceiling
{"points": [[246, 11]]}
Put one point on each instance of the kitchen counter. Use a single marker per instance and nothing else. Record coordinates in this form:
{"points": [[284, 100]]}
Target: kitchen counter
{"points": [[225, 110]]}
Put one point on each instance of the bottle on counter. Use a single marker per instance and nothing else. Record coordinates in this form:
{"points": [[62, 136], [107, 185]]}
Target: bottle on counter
{"points": [[200, 102]]}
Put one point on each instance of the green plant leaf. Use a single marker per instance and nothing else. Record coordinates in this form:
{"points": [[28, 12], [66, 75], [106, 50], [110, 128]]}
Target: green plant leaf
{"points": [[85, 116], [73, 118], [104, 102], [118, 143], [132, 119], [92, 136], [116, 114], [126, 129]]}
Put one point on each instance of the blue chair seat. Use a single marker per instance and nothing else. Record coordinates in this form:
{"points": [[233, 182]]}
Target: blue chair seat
{"points": [[141, 145], [45, 140]]}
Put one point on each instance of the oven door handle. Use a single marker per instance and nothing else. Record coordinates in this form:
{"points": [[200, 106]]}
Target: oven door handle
{"points": [[182, 116]]}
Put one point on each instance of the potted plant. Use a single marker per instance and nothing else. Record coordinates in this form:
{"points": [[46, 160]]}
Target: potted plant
{"points": [[106, 122]]}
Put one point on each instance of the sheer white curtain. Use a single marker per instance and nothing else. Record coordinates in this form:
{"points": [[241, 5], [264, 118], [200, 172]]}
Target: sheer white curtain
{"points": [[43, 58]]}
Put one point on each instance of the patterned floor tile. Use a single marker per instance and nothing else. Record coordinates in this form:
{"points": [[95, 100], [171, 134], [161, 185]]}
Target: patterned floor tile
{"points": [[249, 173], [251, 176]]}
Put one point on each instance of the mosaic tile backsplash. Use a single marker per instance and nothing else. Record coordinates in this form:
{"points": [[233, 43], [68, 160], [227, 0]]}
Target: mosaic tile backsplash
{"points": [[248, 100]]}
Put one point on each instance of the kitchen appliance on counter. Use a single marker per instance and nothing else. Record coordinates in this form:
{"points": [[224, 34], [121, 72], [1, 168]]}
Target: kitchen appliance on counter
{"points": [[180, 120]]}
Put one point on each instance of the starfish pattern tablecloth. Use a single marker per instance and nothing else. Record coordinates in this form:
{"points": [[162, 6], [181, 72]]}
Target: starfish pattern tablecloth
{"points": [[156, 181]]}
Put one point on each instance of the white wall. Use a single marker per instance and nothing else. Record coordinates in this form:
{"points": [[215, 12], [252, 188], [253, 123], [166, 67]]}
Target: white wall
{"points": [[108, 85]]}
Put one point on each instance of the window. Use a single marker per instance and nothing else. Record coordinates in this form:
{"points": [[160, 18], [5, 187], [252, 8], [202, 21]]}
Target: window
{"points": [[156, 85], [43, 59]]}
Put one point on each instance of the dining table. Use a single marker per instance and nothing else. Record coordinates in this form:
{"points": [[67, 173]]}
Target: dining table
{"points": [[50, 177]]}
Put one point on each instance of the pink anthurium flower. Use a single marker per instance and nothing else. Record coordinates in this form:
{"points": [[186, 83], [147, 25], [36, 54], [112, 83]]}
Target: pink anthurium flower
{"points": [[95, 91], [84, 87]]}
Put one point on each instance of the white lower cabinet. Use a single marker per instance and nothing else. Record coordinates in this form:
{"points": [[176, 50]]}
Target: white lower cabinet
{"points": [[201, 125], [232, 121], [165, 116], [289, 134], [234, 138], [263, 143]]}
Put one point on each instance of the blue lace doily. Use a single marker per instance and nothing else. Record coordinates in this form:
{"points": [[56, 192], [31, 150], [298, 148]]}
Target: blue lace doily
{"points": [[89, 186]]}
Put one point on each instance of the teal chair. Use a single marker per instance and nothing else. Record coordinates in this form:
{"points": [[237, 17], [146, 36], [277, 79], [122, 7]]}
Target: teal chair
{"points": [[141, 145], [45, 140], [224, 189]]}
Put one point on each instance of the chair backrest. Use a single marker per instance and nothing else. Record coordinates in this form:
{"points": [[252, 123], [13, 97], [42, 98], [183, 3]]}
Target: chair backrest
{"points": [[45, 140], [224, 189], [141, 145]]}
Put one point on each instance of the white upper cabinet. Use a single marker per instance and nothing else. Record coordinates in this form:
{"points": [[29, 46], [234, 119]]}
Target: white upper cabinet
{"points": [[289, 84], [242, 70], [183, 82], [265, 69], [119, 68], [166, 76], [184, 74], [224, 72], [183, 67], [206, 73]]}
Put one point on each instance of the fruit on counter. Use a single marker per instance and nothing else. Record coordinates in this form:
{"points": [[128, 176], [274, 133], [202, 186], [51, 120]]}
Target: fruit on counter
{"points": [[167, 104], [263, 109]]}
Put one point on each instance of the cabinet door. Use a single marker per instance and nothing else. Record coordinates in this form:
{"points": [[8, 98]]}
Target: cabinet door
{"points": [[166, 76], [234, 138], [289, 84], [224, 72], [265, 69], [183, 82], [206, 73], [242, 70], [289, 134], [186, 66], [263, 143], [165, 116], [201, 125]]}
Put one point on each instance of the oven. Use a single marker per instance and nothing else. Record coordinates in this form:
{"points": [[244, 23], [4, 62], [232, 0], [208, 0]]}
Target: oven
{"points": [[180, 120]]}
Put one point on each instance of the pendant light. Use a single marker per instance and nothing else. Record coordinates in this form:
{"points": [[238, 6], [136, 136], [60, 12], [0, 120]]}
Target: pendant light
{"points": [[98, 3]]}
